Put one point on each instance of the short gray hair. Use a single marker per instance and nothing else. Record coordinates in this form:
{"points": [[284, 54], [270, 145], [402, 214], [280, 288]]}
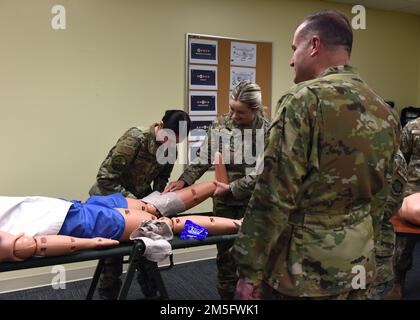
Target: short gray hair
{"points": [[332, 26]]}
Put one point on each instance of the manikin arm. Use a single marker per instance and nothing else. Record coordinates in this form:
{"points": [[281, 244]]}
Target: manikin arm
{"points": [[197, 193], [21, 247]]}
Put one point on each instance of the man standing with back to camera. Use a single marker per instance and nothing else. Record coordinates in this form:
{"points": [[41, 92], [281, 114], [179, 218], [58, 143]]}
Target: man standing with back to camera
{"points": [[328, 161]]}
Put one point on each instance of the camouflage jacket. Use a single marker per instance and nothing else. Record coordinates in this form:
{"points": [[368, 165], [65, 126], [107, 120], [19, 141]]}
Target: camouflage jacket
{"points": [[223, 136], [410, 147], [385, 235], [329, 155], [131, 166]]}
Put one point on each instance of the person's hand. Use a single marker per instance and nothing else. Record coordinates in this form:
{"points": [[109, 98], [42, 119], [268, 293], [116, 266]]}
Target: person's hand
{"points": [[247, 291], [221, 189], [174, 185]]}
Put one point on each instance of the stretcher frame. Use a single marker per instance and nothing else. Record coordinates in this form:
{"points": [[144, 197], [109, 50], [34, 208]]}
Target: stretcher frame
{"points": [[135, 252]]}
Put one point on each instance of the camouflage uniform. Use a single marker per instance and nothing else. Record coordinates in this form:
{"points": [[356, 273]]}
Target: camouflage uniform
{"points": [[385, 240], [233, 204], [329, 158], [130, 168], [410, 147]]}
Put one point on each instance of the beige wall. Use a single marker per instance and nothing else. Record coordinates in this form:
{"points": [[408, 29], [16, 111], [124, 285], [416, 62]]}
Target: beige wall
{"points": [[66, 96], [418, 84], [385, 55]]}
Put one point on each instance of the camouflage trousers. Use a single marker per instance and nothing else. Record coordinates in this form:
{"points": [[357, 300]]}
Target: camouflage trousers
{"points": [[384, 280], [110, 279], [269, 293], [403, 258], [380, 291], [226, 266]]}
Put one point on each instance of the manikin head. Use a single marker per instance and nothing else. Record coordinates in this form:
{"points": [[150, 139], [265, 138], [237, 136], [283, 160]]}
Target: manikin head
{"points": [[324, 39], [245, 102]]}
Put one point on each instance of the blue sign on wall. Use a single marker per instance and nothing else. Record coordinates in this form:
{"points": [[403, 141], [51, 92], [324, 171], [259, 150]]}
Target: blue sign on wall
{"points": [[203, 103]]}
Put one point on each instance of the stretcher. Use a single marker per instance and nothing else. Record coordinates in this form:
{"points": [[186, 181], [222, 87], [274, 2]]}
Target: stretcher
{"points": [[134, 250]]}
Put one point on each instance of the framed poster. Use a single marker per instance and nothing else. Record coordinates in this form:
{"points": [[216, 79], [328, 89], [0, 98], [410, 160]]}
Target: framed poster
{"points": [[203, 77], [199, 127], [202, 103], [243, 54], [213, 66], [238, 74], [203, 51]]}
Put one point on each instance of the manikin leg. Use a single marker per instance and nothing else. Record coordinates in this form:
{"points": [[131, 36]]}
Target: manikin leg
{"points": [[220, 169], [197, 193], [192, 195], [215, 225], [140, 205], [133, 218]]}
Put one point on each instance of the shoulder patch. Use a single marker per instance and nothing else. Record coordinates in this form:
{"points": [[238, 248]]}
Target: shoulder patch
{"points": [[397, 187]]}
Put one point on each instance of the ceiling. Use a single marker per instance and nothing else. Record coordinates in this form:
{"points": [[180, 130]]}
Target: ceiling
{"points": [[406, 6]]}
